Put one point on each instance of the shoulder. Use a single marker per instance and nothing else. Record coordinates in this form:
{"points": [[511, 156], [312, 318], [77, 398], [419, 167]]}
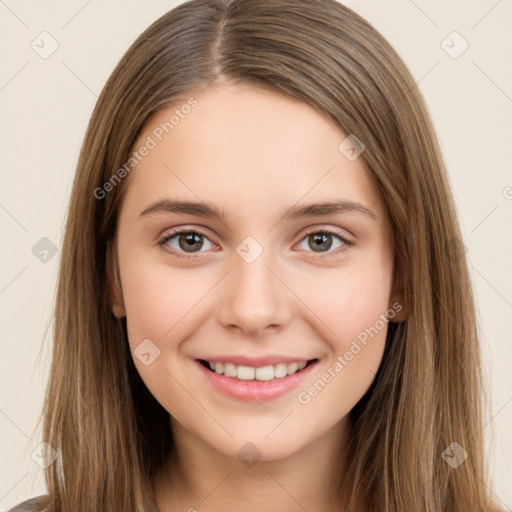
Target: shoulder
{"points": [[31, 505]]}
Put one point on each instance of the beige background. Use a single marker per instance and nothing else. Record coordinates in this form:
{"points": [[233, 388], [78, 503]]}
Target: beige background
{"points": [[46, 104]]}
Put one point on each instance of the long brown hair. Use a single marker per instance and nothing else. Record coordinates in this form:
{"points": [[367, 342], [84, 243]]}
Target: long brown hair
{"points": [[110, 432]]}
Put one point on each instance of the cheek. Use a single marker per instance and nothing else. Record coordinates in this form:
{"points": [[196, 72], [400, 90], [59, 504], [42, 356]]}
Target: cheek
{"points": [[354, 309], [160, 303], [159, 299], [349, 303]]}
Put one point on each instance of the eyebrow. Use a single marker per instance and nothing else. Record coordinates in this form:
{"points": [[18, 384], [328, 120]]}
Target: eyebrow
{"points": [[202, 209]]}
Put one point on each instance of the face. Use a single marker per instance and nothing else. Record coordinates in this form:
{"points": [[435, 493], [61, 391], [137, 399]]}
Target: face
{"points": [[223, 260]]}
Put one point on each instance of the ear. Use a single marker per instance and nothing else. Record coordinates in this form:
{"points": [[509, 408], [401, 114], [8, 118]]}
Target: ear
{"points": [[397, 308], [114, 282]]}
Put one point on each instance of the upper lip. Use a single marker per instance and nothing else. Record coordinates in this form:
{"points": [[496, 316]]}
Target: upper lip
{"points": [[256, 362]]}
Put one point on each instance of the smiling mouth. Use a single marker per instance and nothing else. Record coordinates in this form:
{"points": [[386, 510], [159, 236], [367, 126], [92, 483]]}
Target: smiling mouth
{"points": [[261, 373]]}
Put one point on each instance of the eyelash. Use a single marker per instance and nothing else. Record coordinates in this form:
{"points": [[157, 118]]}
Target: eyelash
{"points": [[325, 231]]}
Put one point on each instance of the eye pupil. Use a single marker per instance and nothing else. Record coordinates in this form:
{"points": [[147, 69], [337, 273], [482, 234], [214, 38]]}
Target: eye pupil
{"points": [[321, 240], [190, 241]]}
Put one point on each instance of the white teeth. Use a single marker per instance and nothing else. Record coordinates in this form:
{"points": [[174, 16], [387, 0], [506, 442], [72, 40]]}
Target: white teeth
{"points": [[245, 373], [280, 370], [264, 373], [229, 370], [261, 373], [292, 368]]}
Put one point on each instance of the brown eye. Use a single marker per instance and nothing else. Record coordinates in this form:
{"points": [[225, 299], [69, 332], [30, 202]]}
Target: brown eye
{"points": [[185, 241], [322, 241], [190, 242]]}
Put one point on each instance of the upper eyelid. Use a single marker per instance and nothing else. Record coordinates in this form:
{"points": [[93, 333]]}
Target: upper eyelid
{"points": [[332, 231], [181, 231]]}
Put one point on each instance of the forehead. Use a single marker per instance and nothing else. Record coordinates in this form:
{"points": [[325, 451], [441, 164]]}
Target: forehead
{"points": [[245, 148]]}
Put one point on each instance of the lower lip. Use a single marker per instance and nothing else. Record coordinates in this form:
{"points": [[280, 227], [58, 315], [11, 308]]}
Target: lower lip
{"points": [[256, 390]]}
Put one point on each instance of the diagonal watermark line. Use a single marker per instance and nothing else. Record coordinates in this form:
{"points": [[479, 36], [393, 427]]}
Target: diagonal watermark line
{"points": [[13, 279], [307, 192], [488, 215], [300, 299], [197, 302], [14, 486], [285, 490], [492, 491], [424, 76], [280, 423], [75, 15], [202, 201], [199, 403], [492, 419], [493, 287], [208, 84], [79, 78], [416, 84], [215, 488], [14, 76], [486, 14], [14, 218], [424, 13], [492, 81], [14, 423], [13, 13]]}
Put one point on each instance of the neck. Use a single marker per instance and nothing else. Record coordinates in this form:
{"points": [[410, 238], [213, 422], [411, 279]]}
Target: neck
{"points": [[196, 477]]}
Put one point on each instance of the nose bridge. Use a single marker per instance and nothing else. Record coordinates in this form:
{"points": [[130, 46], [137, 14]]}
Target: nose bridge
{"points": [[255, 297]]}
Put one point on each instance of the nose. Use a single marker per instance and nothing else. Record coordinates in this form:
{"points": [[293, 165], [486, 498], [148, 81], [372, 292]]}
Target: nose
{"points": [[254, 299]]}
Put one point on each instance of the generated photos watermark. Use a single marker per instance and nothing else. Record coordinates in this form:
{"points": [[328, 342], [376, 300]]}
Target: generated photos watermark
{"points": [[151, 142], [357, 345]]}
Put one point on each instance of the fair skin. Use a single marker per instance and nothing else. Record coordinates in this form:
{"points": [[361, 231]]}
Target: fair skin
{"points": [[253, 154]]}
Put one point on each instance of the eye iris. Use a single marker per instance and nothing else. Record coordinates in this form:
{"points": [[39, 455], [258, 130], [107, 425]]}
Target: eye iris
{"points": [[190, 241], [322, 240]]}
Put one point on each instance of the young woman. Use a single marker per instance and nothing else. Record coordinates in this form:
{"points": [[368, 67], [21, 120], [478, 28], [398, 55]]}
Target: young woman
{"points": [[262, 304]]}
